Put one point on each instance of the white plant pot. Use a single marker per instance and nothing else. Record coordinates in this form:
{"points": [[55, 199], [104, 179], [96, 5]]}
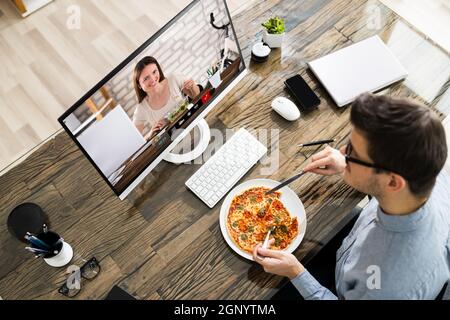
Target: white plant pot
{"points": [[215, 79], [273, 40]]}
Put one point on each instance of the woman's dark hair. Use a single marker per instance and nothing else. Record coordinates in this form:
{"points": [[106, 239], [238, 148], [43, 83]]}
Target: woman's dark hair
{"points": [[141, 94], [404, 137]]}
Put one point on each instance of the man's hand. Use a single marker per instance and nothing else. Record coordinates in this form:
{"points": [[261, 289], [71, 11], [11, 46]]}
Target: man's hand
{"points": [[327, 162], [277, 262]]}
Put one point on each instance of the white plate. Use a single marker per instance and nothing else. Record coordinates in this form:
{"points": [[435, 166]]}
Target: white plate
{"points": [[288, 197]]}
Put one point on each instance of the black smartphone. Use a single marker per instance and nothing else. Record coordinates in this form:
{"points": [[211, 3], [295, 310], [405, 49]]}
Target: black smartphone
{"points": [[303, 95]]}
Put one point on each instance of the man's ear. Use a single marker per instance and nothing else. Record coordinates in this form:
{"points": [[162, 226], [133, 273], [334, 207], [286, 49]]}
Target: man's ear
{"points": [[396, 182]]}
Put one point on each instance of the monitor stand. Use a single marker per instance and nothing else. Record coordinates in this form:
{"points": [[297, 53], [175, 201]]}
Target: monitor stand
{"points": [[205, 136]]}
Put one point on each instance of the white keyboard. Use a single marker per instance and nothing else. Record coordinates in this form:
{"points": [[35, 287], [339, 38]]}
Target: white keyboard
{"points": [[221, 172]]}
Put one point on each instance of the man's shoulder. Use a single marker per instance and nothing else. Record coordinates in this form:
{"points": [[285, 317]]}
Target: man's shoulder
{"points": [[440, 201], [419, 247], [405, 269], [441, 189], [442, 185]]}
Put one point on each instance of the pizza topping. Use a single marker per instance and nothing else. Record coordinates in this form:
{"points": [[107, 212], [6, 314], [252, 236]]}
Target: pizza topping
{"points": [[253, 213], [277, 242], [242, 226], [268, 217], [247, 214], [277, 219], [261, 236], [294, 226], [262, 212], [277, 205]]}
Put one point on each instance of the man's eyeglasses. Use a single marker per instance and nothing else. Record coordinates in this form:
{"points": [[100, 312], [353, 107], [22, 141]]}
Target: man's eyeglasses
{"points": [[88, 271], [348, 158]]}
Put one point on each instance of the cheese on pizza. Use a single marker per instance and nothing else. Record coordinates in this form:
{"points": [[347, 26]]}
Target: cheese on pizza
{"points": [[253, 213]]}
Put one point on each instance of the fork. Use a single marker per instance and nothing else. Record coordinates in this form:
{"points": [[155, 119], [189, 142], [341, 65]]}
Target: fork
{"points": [[266, 241]]}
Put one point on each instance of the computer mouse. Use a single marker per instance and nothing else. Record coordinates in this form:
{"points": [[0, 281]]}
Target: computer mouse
{"points": [[286, 108]]}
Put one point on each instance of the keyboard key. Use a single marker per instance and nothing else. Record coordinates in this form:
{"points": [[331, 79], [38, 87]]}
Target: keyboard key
{"points": [[217, 176]]}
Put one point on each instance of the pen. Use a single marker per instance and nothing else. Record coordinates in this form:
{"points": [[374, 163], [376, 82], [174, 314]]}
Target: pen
{"points": [[37, 242], [37, 251], [313, 143]]}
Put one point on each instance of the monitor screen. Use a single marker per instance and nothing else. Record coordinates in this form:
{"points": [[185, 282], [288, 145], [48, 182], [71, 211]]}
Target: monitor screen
{"points": [[129, 119]]}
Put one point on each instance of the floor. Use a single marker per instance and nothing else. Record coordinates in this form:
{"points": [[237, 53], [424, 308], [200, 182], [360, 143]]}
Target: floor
{"points": [[431, 17], [46, 65]]}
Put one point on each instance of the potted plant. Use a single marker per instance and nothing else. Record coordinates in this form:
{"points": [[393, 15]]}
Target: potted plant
{"points": [[273, 32]]}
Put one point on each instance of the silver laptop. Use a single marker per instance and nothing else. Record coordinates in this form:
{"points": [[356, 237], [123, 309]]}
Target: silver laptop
{"points": [[365, 66]]}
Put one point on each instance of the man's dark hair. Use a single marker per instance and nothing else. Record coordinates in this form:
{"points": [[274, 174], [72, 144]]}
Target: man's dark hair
{"points": [[402, 136]]}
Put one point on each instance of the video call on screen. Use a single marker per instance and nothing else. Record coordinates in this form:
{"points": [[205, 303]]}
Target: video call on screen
{"points": [[133, 117]]}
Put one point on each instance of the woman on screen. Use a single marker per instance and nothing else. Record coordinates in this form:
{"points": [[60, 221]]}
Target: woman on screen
{"points": [[158, 94]]}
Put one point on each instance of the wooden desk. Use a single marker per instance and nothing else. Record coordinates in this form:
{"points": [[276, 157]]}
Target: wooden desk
{"points": [[163, 242]]}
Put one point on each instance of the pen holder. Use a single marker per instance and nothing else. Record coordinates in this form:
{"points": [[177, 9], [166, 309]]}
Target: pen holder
{"points": [[26, 217], [62, 251]]}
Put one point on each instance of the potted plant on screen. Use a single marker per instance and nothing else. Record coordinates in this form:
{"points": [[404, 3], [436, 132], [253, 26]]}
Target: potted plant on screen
{"points": [[273, 32], [214, 75]]}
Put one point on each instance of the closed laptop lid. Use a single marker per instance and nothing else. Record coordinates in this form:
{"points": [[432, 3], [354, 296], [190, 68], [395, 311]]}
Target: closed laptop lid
{"points": [[365, 66]]}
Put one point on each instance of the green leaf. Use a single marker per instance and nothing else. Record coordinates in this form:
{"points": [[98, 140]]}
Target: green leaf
{"points": [[274, 25]]}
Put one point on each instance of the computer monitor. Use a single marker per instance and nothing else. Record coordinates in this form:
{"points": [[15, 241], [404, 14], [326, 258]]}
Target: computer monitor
{"points": [[134, 117]]}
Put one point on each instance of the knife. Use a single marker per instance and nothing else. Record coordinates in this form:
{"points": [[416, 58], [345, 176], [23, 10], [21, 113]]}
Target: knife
{"points": [[282, 184]]}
